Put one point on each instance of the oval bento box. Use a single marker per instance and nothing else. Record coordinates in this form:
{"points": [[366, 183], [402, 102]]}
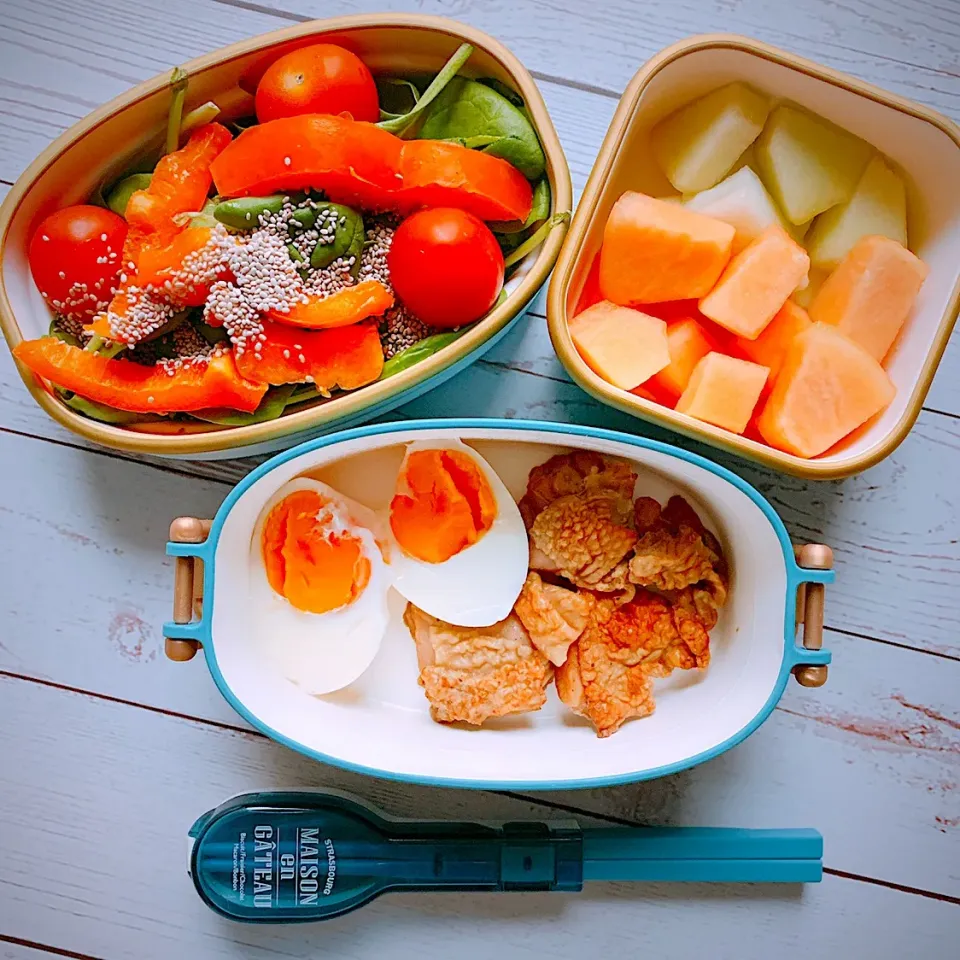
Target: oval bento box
{"points": [[102, 146], [380, 725], [923, 144]]}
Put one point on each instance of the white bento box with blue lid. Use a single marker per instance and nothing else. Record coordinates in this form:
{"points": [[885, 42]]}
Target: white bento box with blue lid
{"points": [[381, 725]]}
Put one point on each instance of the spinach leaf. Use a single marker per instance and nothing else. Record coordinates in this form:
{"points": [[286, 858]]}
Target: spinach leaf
{"points": [[467, 109], [271, 406], [397, 96], [539, 211], [508, 93]]}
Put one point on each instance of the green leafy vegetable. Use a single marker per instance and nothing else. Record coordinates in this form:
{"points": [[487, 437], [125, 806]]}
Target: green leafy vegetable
{"points": [[120, 194], [348, 238], [198, 116], [213, 335], [398, 96], [419, 351], [178, 84], [402, 124], [508, 93], [539, 211], [57, 331], [271, 406], [534, 241], [100, 411], [478, 116]]}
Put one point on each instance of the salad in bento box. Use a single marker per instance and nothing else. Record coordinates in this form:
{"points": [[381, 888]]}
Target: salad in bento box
{"points": [[351, 228]]}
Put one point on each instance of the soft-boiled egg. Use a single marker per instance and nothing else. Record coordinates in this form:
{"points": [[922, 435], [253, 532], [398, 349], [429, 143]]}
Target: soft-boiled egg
{"points": [[319, 585], [460, 544]]}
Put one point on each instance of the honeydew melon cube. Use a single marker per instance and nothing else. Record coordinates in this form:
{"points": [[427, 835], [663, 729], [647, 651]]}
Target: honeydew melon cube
{"points": [[742, 201], [699, 144], [878, 207], [807, 163]]}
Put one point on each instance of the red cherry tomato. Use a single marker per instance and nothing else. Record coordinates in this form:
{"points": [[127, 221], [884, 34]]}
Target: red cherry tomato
{"points": [[75, 259], [321, 78], [445, 266]]}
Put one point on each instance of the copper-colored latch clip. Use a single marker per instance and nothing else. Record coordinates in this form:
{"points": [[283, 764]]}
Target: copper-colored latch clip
{"points": [[810, 602], [187, 584]]}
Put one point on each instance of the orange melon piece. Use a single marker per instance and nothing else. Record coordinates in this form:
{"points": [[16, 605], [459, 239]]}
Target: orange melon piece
{"points": [[624, 346], [688, 344], [723, 391], [871, 293], [827, 387], [771, 346], [654, 251], [756, 283]]}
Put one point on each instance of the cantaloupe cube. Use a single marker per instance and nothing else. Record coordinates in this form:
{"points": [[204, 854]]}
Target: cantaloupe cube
{"points": [[698, 145], [654, 251], [803, 295], [742, 201], [756, 283], [771, 346], [827, 387], [878, 207], [807, 163], [623, 346], [723, 391], [688, 344], [870, 295]]}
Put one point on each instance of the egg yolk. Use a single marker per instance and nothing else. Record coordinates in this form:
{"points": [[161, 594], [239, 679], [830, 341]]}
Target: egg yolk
{"points": [[448, 505], [316, 567]]}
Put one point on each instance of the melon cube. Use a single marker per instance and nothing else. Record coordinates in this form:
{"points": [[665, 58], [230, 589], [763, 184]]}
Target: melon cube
{"points": [[623, 346], [698, 145], [804, 294], [688, 344], [807, 163], [654, 251], [756, 283], [723, 391], [878, 207], [771, 346], [870, 295], [742, 201], [827, 387]]}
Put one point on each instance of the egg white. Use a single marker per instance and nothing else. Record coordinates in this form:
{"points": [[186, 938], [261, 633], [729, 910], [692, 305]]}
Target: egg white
{"points": [[479, 585], [322, 652]]}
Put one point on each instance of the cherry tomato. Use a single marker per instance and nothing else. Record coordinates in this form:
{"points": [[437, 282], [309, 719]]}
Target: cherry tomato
{"points": [[75, 259], [321, 78], [445, 266]]}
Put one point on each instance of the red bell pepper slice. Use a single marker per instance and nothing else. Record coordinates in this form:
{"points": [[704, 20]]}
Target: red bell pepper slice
{"points": [[125, 385]]}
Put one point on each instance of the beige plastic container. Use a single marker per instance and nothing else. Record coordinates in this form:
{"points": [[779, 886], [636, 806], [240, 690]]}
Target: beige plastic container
{"points": [[101, 146], [924, 144]]}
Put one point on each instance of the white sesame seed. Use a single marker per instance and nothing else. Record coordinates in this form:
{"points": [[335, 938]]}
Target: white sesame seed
{"points": [[103, 237], [45, 237]]}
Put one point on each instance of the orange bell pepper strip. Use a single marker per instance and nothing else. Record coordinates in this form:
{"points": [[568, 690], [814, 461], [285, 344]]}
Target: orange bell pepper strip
{"points": [[358, 163], [352, 162], [345, 357], [180, 183], [369, 298], [163, 268], [125, 385], [439, 174]]}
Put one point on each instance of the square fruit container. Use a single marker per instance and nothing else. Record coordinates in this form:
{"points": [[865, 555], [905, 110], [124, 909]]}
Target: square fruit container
{"points": [[103, 145], [770, 629], [925, 146]]}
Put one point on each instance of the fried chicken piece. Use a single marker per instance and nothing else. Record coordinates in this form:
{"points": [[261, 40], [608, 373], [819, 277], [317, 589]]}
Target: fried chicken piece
{"points": [[554, 616], [587, 537], [598, 682], [576, 473], [474, 673]]}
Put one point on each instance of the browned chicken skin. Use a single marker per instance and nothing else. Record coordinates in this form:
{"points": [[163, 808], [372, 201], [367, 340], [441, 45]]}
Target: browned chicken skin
{"points": [[554, 616], [475, 673], [576, 473]]}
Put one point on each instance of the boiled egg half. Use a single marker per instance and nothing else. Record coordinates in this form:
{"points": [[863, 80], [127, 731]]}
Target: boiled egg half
{"points": [[460, 546], [320, 584]]}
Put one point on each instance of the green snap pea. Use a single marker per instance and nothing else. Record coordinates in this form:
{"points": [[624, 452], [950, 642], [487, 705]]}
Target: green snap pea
{"points": [[121, 192], [60, 334], [419, 351], [306, 217], [348, 237], [295, 255], [243, 213], [271, 406]]}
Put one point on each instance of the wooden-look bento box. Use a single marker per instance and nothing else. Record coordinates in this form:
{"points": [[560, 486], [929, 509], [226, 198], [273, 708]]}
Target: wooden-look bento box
{"points": [[102, 145], [922, 143]]}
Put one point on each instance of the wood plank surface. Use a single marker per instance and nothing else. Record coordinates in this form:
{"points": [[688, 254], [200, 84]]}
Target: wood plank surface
{"points": [[95, 862]]}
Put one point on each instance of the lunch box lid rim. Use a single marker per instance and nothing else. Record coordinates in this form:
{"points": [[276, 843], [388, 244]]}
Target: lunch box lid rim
{"points": [[207, 551]]}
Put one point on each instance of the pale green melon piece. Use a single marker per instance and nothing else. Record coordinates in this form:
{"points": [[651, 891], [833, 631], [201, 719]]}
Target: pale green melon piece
{"points": [[878, 206], [742, 201], [698, 145], [807, 163]]}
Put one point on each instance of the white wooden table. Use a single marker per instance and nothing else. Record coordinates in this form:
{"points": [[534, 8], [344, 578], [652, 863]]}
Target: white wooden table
{"points": [[108, 751]]}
